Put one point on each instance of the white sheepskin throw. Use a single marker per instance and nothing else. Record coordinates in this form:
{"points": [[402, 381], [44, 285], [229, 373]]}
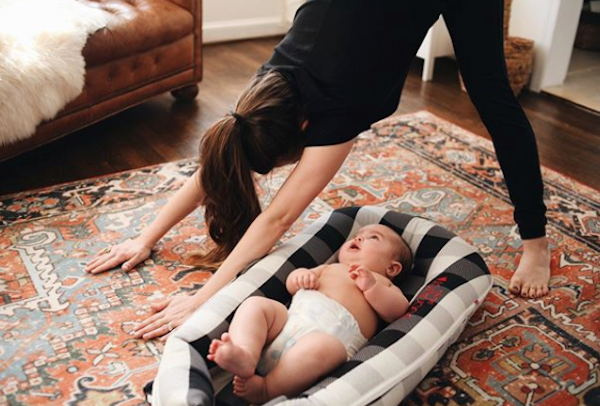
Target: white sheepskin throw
{"points": [[41, 66]]}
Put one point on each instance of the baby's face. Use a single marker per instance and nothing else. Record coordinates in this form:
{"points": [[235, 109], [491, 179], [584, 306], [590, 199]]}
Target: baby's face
{"points": [[374, 246]]}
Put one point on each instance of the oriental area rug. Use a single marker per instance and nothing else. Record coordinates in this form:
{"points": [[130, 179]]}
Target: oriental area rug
{"points": [[64, 334]]}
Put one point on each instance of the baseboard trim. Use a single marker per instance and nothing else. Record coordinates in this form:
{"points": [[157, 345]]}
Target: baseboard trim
{"points": [[243, 29]]}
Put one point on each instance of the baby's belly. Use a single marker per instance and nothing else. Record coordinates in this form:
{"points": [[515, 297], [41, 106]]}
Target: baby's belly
{"points": [[354, 301]]}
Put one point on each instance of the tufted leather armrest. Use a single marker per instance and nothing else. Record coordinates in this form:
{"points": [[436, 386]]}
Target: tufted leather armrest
{"points": [[148, 47]]}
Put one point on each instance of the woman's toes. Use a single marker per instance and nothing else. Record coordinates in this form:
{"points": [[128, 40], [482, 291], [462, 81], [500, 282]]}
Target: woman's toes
{"points": [[515, 286]]}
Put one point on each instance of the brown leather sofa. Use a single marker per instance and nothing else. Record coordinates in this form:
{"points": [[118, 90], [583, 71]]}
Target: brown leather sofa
{"points": [[149, 47]]}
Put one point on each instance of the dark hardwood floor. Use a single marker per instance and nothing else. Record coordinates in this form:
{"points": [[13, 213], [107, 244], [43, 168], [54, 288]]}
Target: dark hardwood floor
{"points": [[161, 130]]}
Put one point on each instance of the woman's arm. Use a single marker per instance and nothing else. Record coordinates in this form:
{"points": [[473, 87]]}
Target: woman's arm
{"points": [[316, 168], [136, 250], [186, 200]]}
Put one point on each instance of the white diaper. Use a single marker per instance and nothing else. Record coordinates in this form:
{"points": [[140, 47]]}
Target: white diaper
{"points": [[312, 311]]}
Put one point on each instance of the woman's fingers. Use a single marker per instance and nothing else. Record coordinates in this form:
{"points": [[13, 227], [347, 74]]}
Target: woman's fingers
{"points": [[109, 263], [161, 327], [157, 332], [92, 264], [174, 326], [103, 251], [160, 305], [148, 325], [173, 312], [102, 259], [128, 253], [129, 265]]}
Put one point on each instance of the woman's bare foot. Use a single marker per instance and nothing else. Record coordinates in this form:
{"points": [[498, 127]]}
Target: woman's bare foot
{"points": [[533, 274], [232, 358], [253, 389]]}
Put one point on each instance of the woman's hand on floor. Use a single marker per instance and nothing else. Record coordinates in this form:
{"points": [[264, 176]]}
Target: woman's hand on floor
{"points": [[129, 253], [170, 313]]}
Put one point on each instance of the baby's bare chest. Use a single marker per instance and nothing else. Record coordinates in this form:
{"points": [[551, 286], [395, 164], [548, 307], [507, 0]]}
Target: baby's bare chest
{"points": [[337, 276]]}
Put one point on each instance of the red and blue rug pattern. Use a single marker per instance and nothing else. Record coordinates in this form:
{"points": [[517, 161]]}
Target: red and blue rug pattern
{"points": [[65, 334]]}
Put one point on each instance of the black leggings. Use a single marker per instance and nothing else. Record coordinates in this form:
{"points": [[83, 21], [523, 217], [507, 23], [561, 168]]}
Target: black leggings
{"points": [[476, 28]]}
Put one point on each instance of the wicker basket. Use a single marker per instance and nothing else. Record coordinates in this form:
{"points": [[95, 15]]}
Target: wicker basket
{"points": [[519, 62], [588, 31], [507, 9], [518, 53]]}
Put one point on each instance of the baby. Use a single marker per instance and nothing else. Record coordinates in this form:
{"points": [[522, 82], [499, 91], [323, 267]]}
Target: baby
{"points": [[335, 310]]}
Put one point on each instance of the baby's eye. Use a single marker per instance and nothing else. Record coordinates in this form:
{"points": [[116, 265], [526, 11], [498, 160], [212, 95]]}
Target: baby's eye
{"points": [[374, 237]]}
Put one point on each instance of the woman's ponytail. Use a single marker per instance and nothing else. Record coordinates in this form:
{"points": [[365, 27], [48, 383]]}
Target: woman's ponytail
{"points": [[230, 202], [263, 131]]}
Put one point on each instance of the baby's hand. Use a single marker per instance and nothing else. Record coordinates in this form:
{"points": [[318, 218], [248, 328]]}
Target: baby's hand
{"points": [[362, 276], [305, 279]]}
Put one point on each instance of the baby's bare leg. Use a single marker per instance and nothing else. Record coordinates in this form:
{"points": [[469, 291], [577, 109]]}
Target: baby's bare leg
{"points": [[257, 322], [313, 356]]}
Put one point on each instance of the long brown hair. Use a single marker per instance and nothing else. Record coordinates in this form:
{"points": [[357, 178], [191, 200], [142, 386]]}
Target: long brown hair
{"points": [[262, 132]]}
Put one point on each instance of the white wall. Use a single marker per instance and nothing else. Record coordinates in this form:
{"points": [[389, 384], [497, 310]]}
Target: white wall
{"points": [[228, 20]]}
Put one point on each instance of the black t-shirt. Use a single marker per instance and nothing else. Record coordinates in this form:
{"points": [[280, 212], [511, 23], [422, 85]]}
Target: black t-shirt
{"points": [[339, 56]]}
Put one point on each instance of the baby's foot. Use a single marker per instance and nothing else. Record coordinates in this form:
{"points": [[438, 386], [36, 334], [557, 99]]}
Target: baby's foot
{"points": [[232, 358], [253, 389], [533, 274]]}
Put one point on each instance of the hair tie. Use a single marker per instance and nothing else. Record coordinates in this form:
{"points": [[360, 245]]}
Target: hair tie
{"points": [[240, 119]]}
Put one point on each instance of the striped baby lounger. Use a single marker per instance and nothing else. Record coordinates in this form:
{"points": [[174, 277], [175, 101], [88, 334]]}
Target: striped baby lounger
{"points": [[446, 285]]}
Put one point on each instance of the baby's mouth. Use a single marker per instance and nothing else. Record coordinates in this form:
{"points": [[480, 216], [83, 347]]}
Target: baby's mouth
{"points": [[354, 246]]}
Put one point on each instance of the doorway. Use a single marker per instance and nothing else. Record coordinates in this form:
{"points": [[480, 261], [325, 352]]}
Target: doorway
{"points": [[582, 82]]}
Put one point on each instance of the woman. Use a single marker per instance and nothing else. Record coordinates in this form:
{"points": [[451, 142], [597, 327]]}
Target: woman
{"points": [[340, 68]]}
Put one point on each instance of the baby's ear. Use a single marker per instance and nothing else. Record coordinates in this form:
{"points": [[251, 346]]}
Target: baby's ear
{"points": [[393, 269]]}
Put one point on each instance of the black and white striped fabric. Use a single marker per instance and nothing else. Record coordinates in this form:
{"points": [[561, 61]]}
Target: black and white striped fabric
{"points": [[448, 282]]}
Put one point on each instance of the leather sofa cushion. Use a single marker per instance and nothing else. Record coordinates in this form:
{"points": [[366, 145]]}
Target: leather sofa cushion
{"points": [[137, 26]]}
